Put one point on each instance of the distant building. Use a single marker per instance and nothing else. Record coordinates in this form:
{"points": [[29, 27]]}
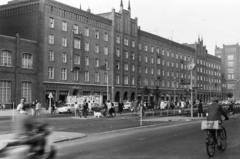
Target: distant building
{"points": [[230, 55], [73, 45]]}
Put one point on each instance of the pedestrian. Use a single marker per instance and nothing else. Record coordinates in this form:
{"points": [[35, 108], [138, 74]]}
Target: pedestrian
{"points": [[141, 108], [33, 106], [3, 107], [120, 107], [200, 109], [162, 105], [21, 108], [152, 105], [77, 111], [85, 108], [38, 108], [231, 108]]}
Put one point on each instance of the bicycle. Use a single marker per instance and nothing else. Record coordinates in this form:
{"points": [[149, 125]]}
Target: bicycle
{"points": [[213, 127]]}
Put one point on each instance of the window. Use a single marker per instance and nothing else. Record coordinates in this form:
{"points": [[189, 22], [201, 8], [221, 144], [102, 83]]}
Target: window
{"points": [[133, 68], [27, 91], [139, 69], [146, 58], [64, 41], [86, 46], [152, 60], [146, 81], [96, 48], [51, 22], [5, 92], [96, 62], [125, 66], [64, 26], [75, 74], [133, 56], [86, 76], [146, 69], [117, 52], [64, 57], [152, 71], [158, 52], [51, 55], [118, 39], [172, 64], [77, 43], [125, 41], [167, 63], [118, 79], [152, 49], [230, 70], [96, 77], [176, 56], [97, 34], [125, 79], [63, 74], [105, 77], [105, 50], [77, 59], [106, 63], [27, 60], [172, 55], [50, 73], [158, 60], [140, 46], [167, 53], [106, 37], [126, 54], [140, 57], [158, 71], [75, 29], [87, 32], [162, 51], [118, 65], [133, 43], [86, 61], [152, 82], [6, 58], [51, 39], [146, 47], [230, 57], [133, 80]]}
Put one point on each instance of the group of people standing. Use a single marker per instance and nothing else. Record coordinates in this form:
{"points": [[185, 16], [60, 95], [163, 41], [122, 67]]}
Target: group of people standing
{"points": [[36, 108], [81, 110]]}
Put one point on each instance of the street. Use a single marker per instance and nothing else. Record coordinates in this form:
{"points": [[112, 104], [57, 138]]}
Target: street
{"points": [[176, 140]]}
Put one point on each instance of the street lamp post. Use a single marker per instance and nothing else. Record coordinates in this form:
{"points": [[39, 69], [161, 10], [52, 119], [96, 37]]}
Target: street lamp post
{"points": [[191, 66], [174, 91]]}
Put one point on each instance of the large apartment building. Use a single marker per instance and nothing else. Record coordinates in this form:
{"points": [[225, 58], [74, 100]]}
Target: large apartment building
{"points": [[73, 45], [231, 68]]}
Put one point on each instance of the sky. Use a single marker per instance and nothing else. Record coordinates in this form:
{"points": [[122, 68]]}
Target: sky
{"points": [[217, 22]]}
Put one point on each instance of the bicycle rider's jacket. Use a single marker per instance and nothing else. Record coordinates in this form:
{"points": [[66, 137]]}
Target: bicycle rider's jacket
{"points": [[215, 111]]}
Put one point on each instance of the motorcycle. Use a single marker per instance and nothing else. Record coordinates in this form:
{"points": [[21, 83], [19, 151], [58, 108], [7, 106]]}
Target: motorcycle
{"points": [[33, 146]]}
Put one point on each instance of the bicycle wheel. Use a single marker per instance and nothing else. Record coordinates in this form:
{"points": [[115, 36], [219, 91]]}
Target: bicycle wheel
{"points": [[223, 137], [210, 144]]}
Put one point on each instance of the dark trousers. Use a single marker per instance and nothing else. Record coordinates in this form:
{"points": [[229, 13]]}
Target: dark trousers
{"points": [[85, 112]]}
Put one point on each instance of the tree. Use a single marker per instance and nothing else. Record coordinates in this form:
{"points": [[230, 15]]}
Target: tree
{"points": [[229, 95], [146, 91]]}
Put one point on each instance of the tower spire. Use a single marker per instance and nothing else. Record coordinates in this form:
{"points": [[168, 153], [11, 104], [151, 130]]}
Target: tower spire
{"points": [[129, 7], [121, 5]]}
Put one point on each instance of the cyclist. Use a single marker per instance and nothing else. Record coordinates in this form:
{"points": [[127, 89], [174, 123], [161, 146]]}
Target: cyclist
{"points": [[215, 111]]}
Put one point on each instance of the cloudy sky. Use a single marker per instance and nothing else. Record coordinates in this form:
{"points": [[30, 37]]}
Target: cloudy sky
{"points": [[183, 21]]}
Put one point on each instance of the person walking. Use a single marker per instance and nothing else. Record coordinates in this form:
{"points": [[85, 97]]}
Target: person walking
{"points": [[231, 108], [33, 107], [38, 108], [77, 110], [200, 109], [85, 108], [120, 107], [141, 108]]}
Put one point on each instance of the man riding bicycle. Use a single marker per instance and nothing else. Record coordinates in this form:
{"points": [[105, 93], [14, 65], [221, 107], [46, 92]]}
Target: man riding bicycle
{"points": [[215, 111]]}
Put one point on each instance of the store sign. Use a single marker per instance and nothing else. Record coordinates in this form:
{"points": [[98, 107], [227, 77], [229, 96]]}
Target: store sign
{"points": [[76, 87]]}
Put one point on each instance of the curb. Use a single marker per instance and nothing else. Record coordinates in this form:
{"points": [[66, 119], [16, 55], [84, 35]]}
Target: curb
{"points": [[69, 139]]}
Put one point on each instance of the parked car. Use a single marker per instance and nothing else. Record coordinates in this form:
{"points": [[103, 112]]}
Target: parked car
{"points": [[66, 108], [127, 105]]}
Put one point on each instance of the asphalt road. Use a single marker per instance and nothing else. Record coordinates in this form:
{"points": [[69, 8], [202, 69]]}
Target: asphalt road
{"points": [[174, 141]]}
